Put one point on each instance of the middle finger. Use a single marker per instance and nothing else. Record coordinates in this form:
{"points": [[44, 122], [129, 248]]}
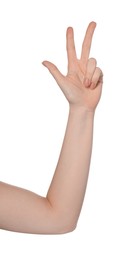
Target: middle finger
{"points": [[87, 43]]}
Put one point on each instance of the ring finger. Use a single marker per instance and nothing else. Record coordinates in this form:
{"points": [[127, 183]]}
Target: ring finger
{"points": [[91, 66], [97, 77]]}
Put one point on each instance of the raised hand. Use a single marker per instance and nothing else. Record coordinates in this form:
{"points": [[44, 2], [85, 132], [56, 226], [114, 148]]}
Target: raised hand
{"points": [[82, 85]]}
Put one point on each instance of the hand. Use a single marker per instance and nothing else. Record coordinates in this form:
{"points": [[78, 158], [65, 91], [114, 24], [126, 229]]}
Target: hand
{"points": [[82, 85]]}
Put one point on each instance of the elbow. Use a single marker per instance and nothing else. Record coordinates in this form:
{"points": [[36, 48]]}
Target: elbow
{"points": [[62, 221], [64, 225], [66, 229], [67, 223]]}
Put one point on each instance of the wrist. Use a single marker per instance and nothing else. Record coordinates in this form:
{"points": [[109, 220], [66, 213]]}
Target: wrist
{"points": [[82, 111]]}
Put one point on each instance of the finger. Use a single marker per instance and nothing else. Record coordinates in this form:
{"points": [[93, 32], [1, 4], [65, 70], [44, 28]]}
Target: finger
{"points": [[86, 46], [71, 51], [97, 78], [91, 66], [58, 76]]}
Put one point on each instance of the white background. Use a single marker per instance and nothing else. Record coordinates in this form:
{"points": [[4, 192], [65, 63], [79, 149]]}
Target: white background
{"points": [[33, 117]]}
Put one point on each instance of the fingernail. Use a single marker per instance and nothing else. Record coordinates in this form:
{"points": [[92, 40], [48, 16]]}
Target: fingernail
{"points": [[86, 82], [44, 63], [92, 85]]}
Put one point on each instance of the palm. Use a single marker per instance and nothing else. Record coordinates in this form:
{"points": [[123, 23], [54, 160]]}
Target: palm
{"points": [[77, 93], [73, 85]]}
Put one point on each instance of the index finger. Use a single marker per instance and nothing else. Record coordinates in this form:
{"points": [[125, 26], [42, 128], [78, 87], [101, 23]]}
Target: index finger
{"points": [[86, 46], [71, 51]]}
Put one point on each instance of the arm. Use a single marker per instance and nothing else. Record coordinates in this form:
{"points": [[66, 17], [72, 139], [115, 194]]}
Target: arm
{"points": [[24, 211], [58, 212]]}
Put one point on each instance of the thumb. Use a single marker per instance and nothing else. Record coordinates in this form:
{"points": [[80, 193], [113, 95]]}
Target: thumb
{"points": [[54, 71]]}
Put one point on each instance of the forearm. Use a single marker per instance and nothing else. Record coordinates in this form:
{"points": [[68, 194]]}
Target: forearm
{"points": [[66, 192]]}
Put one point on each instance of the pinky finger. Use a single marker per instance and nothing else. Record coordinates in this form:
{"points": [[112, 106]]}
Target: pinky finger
{"points": [[97, 78]]}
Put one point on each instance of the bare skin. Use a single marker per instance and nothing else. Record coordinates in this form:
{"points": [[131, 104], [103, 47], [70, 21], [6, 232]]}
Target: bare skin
{"points": [[58, 212]]}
